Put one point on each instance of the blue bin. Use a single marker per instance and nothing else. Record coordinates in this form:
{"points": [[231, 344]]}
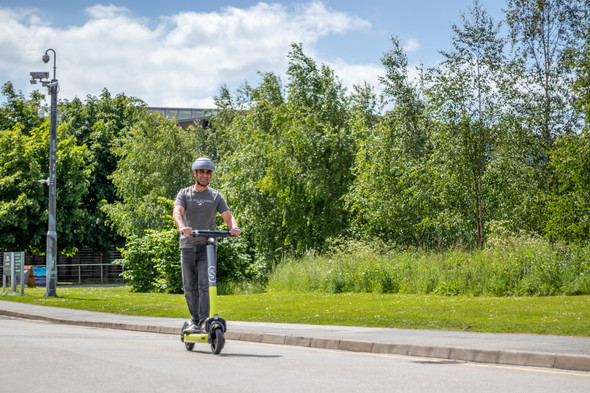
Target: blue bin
{"points": [[40, 273]]}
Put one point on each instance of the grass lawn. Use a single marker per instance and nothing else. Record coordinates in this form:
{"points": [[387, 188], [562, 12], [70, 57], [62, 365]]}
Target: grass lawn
{"points": [[557, 315]]}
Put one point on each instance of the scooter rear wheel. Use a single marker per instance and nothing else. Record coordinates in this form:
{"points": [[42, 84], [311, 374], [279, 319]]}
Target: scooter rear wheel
{"points": [[217, 341], [189, 346]]}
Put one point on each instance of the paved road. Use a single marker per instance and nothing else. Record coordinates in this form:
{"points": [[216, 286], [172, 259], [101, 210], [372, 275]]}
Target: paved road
{"points": [[45, 357], [559, 352]]}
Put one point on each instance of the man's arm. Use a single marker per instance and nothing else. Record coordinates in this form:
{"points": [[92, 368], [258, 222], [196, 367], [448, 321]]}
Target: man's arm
{"points": [[177, 213], [231, 223]]}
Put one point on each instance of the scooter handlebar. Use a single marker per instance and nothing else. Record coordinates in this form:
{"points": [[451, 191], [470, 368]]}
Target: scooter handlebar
{"points": [[206, 233]]}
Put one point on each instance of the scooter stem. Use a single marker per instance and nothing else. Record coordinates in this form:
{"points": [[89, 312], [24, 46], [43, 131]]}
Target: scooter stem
{"points": [[212, 273]]}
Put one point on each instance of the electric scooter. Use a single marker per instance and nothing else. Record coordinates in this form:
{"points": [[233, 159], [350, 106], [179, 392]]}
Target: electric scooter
{"points": [[214, 327]]}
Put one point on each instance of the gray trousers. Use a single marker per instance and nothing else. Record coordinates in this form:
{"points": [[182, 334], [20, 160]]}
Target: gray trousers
{"points": [[195, 281]]}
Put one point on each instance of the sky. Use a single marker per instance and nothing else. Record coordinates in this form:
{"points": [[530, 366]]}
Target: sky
{"points": [[179, 53]]}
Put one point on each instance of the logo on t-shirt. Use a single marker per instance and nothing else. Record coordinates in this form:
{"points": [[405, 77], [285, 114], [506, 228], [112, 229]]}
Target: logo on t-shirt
{"points": [[201, 201]]}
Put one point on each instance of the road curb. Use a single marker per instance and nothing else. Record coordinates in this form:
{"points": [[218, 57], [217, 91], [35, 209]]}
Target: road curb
{"points": [[515, 358], [503, 357]]}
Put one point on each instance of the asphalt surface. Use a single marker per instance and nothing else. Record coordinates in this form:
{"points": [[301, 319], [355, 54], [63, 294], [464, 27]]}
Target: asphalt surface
{"points": [[561, 352]]}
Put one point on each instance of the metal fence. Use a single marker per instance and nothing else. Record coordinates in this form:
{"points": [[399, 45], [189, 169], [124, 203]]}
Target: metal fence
{"points": [[84, 267], [89, 272]]}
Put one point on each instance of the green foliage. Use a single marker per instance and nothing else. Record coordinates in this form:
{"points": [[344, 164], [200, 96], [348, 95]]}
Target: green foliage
{"points": [[480, 140], [98, 123], [392, 194], [152, 262], [538, 89], [580, 64], [519, 265], [463, 100], [154, 161], [285, 162], [569, 217], [234, 263], [24, 160], [19, 111]]}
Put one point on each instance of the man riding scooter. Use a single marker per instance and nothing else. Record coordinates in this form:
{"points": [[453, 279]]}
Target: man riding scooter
{"points": [[196, 208]]}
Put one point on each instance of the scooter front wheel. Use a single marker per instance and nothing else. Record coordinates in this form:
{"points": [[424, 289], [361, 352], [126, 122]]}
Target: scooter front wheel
{"points": [[217, 341]]}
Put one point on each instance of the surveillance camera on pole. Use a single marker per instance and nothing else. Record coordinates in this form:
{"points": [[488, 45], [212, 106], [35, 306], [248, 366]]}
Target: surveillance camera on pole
{"points": [[38, 76]]}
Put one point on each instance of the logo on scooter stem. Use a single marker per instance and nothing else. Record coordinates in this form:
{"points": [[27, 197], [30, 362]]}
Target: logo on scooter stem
{"points": [[212, 275]]}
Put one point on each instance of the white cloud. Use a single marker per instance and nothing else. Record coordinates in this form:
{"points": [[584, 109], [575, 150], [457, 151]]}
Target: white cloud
{"points": [[181, 61], [357, 74], [411, 45]]}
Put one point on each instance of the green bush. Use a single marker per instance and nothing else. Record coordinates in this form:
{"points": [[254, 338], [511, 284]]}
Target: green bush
{"points": [[152, 262], [234, 263]]}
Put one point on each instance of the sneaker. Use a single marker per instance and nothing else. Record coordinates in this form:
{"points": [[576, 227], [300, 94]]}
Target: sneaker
{"points": [[192, 329]]}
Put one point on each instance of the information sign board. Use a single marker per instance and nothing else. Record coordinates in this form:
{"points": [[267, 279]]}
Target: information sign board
{"points": [[14, 263]]}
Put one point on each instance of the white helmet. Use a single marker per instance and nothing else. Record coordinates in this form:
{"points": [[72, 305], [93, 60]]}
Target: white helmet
{"points": [[203, 163]]}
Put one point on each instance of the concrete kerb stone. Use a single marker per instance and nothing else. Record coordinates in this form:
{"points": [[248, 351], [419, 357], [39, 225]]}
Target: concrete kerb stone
{"points": [[430, 351], [392, 349], [474, 355], [532, 359], [572, 362], [324, 343], [247, 336], [169, 330], [355, 346], [298, 341], [273, 339]]}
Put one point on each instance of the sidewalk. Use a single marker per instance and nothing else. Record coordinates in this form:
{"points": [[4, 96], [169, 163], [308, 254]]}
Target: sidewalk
{"points": [[570, 353]]}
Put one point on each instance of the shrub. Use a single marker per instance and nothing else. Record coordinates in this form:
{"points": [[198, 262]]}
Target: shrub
{"points": [[234, 263], [152, 262]]}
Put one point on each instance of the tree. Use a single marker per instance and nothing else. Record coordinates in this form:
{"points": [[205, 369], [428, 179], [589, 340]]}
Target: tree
{"points": [[580, 63], [24, 160], [18, 110], [287, 163], [543, 33], [154, 158], [464, 102], [569, 211], [569, 217], [390, 196], [97, 124]]}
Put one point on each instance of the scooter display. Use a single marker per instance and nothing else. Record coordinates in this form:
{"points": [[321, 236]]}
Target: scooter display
{"points": [[214, 327]]}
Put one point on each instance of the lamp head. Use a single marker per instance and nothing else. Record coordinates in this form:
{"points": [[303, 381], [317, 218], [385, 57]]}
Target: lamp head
{"points": [[45, 58]]}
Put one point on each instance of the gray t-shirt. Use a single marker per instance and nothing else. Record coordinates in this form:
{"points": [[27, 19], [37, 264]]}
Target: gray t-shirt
{"points": [[200, 211]]}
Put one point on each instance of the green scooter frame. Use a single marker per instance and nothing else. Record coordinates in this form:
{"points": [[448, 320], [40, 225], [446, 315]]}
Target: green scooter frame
{"points": [[214, 326]]}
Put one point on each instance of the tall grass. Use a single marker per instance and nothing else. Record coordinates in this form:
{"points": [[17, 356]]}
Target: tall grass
{"points": [[515, 266]]}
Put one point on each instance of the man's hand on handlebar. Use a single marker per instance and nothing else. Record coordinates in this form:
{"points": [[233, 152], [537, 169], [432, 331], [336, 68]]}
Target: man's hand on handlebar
{"points": [[186, 231]]}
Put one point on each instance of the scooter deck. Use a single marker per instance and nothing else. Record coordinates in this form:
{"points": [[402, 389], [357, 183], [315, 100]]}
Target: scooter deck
{"points": [[196, 338]]}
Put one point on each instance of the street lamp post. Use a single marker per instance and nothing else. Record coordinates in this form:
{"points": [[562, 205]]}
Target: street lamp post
{"points": [[51, 252]]}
